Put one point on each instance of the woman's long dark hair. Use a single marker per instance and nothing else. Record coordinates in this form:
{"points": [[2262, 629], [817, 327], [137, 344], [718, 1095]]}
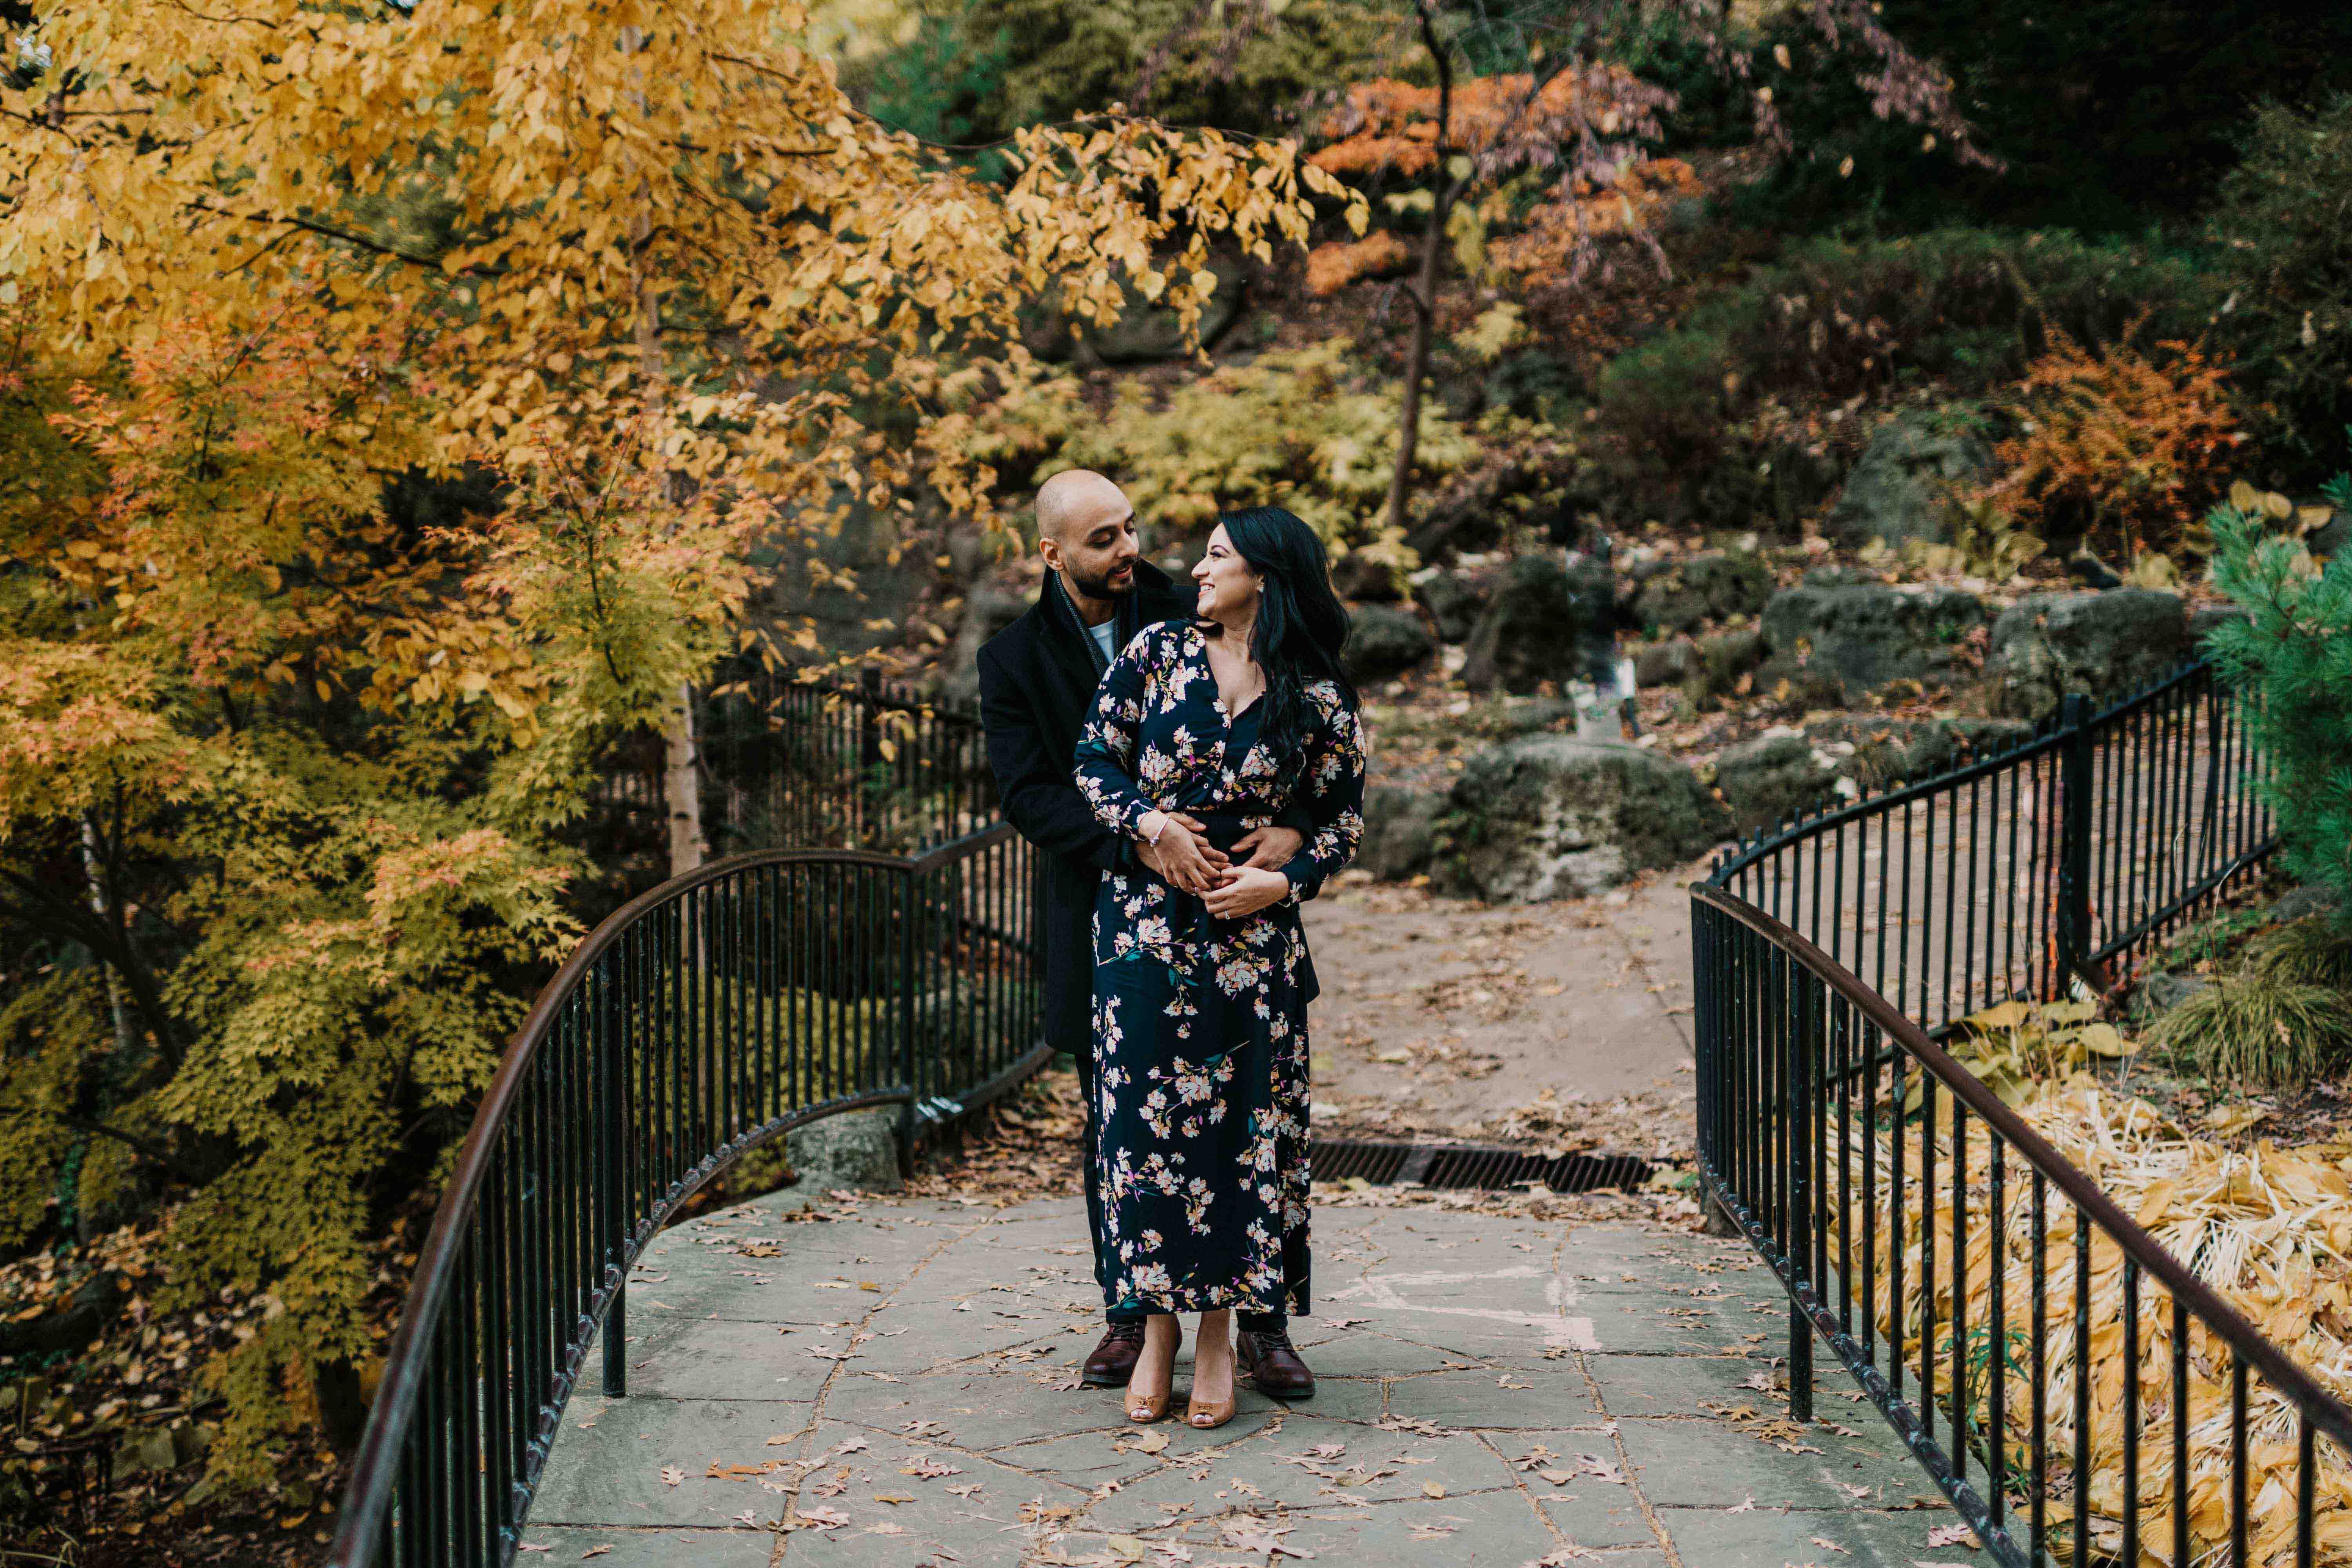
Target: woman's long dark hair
{"points": [[1301, 624]]}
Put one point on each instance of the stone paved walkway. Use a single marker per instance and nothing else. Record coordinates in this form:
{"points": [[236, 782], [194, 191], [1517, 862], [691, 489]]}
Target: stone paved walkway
{"points": [[895, 1386]]}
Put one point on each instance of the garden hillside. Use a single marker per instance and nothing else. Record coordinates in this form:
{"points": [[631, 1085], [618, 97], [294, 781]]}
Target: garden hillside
{"points": [[1711, 411]]}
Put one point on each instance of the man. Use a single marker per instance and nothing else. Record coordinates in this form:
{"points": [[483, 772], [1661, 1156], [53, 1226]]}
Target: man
{"points": [[1037, 680]]}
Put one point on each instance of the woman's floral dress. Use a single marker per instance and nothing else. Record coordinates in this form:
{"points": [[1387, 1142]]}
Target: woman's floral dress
{"points": [[1201, 1023]]}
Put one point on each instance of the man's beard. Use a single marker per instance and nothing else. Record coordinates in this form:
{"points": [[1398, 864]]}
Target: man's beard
{"points": [[1102, 586]]}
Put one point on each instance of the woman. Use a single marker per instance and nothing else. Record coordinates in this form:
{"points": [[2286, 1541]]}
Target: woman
{"points": [[1202, 977]]}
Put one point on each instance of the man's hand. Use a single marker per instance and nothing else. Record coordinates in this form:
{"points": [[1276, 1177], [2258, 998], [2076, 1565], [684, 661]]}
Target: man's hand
{"points": [[1183, 857], [1246, 890], [1269, 848]]}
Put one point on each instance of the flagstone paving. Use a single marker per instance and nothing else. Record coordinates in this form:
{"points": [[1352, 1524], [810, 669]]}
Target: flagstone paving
{"points": [[895, 1386]]}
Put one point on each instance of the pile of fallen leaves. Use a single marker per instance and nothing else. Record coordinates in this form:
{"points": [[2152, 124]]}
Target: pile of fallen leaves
{"points": [[2268, 1230], [1029, 1144]]}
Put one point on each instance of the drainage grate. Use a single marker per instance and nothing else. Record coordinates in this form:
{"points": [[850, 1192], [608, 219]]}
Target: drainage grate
{"points": [[1470, 1165]]}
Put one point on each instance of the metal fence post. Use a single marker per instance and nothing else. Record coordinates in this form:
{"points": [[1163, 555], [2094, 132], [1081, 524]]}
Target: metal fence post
{"points": [[2074, 811], [1799, 1146], [905, 935], [612, 1176]]}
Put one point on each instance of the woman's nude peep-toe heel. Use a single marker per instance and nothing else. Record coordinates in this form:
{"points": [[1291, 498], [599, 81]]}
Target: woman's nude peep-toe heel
{"points": [[1205, 1413], [1147, 1407]]}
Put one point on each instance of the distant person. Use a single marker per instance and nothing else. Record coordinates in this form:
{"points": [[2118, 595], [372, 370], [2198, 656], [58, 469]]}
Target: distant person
{"points": [[1205, 729], [1037, 680]]}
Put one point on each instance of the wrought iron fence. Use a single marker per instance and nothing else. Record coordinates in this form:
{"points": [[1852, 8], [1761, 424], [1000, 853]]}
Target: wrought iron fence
{"points": [[708, 1016], [2060, 858], [2075, 1389], [820, 763]]}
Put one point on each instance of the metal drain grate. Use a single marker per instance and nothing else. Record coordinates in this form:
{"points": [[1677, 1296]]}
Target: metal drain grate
{"points": [[1470, 1165]]}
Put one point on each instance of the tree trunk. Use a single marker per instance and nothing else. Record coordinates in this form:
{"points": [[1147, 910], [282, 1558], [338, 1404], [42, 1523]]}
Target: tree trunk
{"points": [[1422, 292], [682, 784], [1416, 357], [681, 758]]}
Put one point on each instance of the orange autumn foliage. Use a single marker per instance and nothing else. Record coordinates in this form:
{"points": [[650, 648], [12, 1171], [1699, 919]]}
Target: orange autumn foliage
{"points": [[1333, 266], [1387, 126], [2132, 446], [1556, 229]]}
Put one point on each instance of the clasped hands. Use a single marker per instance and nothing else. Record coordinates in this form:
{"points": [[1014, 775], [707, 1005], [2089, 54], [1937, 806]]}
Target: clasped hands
{"points": [[1185, 858]]}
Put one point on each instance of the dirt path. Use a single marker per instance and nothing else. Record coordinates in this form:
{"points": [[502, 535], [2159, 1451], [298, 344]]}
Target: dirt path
{"points": [[1564, 1024]]}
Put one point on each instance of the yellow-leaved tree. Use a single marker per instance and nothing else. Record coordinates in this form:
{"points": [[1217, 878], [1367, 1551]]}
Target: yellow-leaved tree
{"points": [[289, 765]]}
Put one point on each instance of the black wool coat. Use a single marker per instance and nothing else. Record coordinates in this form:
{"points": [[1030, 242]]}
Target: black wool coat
{"points": [[1037, 680]]}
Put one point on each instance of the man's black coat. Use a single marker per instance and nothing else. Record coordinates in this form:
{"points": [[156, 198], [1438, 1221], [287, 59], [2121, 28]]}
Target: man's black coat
{"points": [[1037, 680]]}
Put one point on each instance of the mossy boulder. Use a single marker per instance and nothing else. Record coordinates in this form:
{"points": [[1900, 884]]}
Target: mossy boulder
{"points": [[1553, 817], [1902, 487], [1547, 621], [1454, 600], [2104, 644], [1848, 636], [1384, 642], [1765, 780], [1719, 585], [1400, 830]]}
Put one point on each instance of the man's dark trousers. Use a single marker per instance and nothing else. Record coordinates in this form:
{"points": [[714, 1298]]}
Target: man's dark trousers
{"points": [[1037, 680]]}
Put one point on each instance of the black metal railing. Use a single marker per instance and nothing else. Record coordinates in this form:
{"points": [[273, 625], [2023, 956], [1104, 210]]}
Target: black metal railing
{"points": [[2059, 859], [708, 1016], [2075, 1388], [814, 761]]}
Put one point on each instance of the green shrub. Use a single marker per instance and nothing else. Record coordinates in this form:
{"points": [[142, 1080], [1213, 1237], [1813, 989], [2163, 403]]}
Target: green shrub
{"points": [[2255, 1029], [2292, 653], [1062, 59], [2283, 254], [2310, 951], [1966, 309]]}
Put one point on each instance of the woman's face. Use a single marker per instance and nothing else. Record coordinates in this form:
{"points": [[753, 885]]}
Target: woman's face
{"points": [[1228, 588]]}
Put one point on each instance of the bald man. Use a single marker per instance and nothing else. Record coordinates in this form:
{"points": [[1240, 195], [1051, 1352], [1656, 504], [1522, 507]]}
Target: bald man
{"points": [[1037, 680]]}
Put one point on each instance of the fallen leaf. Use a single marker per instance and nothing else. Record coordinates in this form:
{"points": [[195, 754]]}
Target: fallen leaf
{"points": [[594, 1551], [1433, 1488], [671, 1475], [1951, 1535]]}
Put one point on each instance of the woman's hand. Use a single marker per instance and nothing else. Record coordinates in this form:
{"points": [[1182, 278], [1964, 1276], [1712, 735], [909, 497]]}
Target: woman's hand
{"points": [[1178, 853], [1245, 890]]}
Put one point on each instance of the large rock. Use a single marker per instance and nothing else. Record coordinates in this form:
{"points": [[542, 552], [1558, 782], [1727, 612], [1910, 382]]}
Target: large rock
{"points": [[1902, 487], [1851, 637], [1719, 585], [2104, 644], [1382, 642], [855, 1149], [1765, 780], [1401, 831], [1454, 600], [1547, 621], [1552, 817], [1876, 750]]}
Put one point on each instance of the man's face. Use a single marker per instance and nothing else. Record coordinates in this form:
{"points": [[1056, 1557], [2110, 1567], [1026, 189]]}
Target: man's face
{"points": [[1100, 552]]}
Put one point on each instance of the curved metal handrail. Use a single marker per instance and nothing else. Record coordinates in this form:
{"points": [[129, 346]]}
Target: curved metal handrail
{"points": [[382, 1466], [2332, 1415]]}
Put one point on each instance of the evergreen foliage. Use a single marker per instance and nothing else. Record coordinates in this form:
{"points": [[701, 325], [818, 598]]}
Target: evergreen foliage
{"points": [[2291, 653], [2283, 260]]}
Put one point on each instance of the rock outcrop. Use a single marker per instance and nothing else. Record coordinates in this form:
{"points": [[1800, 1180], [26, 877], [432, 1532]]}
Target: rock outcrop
{"points": [[2104, 644]]}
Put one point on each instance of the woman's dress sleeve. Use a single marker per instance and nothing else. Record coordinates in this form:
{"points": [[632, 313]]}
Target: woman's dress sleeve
{"points": [[1104, 764], [1333, 788]]}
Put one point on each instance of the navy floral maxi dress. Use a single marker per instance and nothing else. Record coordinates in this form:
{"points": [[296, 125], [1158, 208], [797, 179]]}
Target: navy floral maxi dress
{"points": [[1200, 1023]]}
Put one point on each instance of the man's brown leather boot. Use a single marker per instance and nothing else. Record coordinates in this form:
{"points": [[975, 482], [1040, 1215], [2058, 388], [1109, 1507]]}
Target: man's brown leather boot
{"points": [[1270, 1359], [1114, 1355]]}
